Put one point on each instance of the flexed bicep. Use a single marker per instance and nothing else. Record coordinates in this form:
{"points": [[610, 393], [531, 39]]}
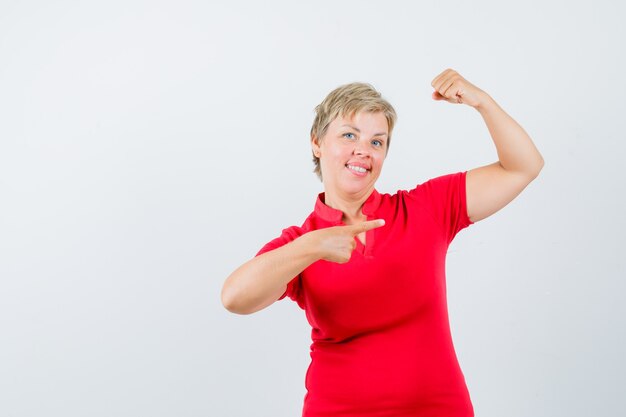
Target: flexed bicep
{"points": [[490, 188]]}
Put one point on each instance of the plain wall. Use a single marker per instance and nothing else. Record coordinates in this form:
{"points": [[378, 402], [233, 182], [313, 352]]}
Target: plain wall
{"points": [[149, 148]]}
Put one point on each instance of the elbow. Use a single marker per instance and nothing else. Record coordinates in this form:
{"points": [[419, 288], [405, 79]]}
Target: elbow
{"points": [[229, 300], [232, 303], [539, 167], [536, 168]]}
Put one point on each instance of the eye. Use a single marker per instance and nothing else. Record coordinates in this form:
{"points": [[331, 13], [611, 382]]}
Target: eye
{"points": [[348, 135], [377, 143]]}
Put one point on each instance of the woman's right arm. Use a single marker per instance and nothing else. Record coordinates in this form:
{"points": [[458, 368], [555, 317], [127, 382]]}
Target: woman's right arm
{"points": [[263, 279]]}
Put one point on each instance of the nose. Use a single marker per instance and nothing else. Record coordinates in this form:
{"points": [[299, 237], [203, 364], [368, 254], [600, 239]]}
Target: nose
{"points": [[360, 148]]}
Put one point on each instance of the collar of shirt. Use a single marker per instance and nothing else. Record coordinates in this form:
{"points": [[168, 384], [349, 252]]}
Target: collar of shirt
{"points": [[334, 216]]}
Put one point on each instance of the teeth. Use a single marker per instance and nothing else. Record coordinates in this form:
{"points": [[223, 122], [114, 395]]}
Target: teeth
{"points": [[357, 169]]}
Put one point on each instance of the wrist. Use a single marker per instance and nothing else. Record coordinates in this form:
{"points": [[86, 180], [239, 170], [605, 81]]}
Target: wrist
{"points": [[309, 247], [485, 103]]}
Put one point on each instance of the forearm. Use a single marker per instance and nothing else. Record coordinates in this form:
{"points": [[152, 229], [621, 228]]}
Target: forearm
{"points": [[516, 150], [262, 280]]}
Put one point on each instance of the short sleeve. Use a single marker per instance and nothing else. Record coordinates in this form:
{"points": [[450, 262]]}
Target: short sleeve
{"points": [[445, 198], [288, 235]]}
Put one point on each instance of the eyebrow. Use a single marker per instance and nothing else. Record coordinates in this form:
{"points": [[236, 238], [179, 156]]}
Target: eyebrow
{"points": [[377, 134]]}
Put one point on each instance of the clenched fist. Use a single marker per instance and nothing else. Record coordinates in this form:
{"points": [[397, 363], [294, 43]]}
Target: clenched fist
{"points": [[335, 244], [451, 87]]}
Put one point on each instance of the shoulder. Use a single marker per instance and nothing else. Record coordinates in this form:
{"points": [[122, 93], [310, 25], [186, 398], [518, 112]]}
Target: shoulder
{"points": [[441, 183], [289, 234], [434, 190]]}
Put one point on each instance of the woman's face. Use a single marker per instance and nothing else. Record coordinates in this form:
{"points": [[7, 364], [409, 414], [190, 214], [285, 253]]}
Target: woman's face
{"points": [[352, 153]]}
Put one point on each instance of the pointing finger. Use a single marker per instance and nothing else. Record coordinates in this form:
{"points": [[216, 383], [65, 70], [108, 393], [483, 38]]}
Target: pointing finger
{"points": [[365, 226]]}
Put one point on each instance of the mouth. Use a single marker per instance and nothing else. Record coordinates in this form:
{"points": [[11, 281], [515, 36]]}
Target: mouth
{"points": [[357, 170]]}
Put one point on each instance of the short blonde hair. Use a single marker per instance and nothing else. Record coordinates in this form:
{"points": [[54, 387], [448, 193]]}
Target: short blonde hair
{"points": [[347, 100]]}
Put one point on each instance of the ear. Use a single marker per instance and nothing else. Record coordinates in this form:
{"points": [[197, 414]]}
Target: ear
{"points": [[315, 146]]}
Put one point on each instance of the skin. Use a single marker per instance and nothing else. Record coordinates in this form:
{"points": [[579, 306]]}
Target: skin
{"points": [[362, 140], [357, 140], [491, 187]]}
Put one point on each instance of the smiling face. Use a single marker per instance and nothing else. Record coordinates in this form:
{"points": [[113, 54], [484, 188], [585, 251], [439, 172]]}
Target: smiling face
{"points": [[352, 153]]}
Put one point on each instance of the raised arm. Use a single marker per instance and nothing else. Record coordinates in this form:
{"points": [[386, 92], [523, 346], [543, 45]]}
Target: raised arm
{"points": [[491, 187], [259, 282]]}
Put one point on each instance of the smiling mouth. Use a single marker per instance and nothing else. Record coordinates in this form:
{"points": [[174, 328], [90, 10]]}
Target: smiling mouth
{"points": [[357, 169]]}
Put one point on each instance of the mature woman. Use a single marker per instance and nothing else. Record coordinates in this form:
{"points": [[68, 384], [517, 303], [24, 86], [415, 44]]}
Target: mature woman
{"points": [[368, 268]]}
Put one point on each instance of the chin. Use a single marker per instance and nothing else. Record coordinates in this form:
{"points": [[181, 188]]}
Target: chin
{"points": [[354, 187]]}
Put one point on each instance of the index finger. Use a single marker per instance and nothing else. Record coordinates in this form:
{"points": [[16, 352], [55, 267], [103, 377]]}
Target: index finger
{"points": [[365, 226]]}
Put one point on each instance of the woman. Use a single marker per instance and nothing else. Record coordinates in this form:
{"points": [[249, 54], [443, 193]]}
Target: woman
{"points": [[368, 268]]}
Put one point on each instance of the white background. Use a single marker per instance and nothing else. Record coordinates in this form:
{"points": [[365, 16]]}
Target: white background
{"points": [[149, 148]]}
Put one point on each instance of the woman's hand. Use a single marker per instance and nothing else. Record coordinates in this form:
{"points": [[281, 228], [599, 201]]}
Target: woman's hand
{"points": [[335, 244], [451, 87]]}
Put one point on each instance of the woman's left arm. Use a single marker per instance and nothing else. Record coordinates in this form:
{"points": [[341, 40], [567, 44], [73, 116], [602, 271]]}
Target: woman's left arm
{"points": [[491, 187]]}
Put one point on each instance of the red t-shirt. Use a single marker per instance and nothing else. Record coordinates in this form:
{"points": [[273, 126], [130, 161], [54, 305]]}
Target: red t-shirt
{"points": [[381, 337]]}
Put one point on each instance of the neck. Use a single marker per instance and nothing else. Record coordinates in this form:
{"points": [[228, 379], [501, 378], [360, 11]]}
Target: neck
{"points": [[351, 204]]}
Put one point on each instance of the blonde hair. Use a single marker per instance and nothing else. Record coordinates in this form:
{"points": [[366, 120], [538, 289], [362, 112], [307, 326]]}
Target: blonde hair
{"points": [[346, 101]]}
